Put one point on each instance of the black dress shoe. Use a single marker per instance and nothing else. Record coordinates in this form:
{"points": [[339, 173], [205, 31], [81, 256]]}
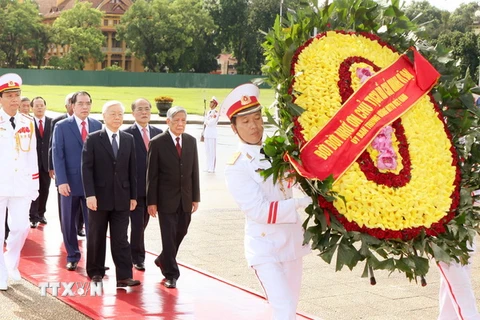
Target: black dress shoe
{"points": [[43, 220], [170, 283], [97, 279], [81, 233], [33, 224], [127, 283], [139, 266], [72, 266]]}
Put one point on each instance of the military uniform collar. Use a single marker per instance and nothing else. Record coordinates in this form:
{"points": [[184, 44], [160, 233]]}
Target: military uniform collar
{"points": [[250, 151], [4, 116]]}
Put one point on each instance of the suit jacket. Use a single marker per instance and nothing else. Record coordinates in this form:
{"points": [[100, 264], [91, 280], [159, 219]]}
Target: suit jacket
{"points": [[141, 153], [112, 180], [67, 148], [43, 144], [172, 180], [54, 122]]}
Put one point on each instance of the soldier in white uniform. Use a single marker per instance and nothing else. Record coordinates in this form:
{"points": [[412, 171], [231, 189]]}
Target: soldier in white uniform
{"points": [[456, 296], [210, 135], [18, 175], [273, 231]]}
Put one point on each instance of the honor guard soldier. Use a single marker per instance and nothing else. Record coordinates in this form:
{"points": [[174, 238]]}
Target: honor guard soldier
{"points": [[18, 175], [273, 232], [210, 135]]}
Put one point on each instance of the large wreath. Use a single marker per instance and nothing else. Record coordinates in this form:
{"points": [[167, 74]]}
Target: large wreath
{"points": [[407, 197]]}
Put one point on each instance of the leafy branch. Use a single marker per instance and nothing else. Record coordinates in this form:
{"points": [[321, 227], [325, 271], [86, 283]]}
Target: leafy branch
{"points": [[453, 94]]}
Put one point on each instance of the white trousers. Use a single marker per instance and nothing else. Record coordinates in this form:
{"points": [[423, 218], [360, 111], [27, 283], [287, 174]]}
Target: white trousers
{"points": [[456, 297], [211, 151], [281, 282], [19, 224]]}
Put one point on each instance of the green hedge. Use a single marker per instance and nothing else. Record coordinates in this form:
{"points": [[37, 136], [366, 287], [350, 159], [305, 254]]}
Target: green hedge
{"points": [[129, 79]]}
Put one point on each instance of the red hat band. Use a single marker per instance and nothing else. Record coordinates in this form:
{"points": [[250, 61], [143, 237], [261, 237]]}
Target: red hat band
{"points": [[10, 85], [244, 103]]}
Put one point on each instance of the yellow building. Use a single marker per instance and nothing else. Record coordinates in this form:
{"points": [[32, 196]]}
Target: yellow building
{"points": [[114, 50]]}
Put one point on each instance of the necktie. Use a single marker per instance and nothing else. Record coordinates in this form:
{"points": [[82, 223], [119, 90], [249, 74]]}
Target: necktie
{"points": [[145, 137], [114, 145], [12, 121], [84, 131], [40, 128], [179, 149]]}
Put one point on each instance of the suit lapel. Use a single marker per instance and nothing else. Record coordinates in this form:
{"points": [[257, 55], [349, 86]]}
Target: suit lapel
{"points": [[47, 128], [172, 144], [123, 144], [75, 129], [37, 132], [138, 138], [92, 126], [105, 140]]}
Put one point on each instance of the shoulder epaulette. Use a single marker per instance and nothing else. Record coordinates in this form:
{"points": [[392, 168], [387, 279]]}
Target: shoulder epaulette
{"points": [[234, 158], [29, 117]]}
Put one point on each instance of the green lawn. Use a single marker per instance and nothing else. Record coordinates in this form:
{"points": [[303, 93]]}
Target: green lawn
{"points": [[189, 98]]}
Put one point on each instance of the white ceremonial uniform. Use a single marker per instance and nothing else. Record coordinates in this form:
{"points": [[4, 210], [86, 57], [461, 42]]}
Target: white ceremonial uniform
{"points": [[18, 187], [210, 136], [456, 296], [273, 229]]}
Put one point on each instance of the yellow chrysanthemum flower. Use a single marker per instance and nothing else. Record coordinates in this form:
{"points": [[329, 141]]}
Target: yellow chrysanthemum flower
{"points": [[426, 198]]}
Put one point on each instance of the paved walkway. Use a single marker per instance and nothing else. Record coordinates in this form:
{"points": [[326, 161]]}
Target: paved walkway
{"points": [[215, 244]]}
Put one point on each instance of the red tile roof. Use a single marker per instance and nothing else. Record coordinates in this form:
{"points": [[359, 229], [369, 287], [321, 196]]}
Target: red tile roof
{"points": [[50, 9]]}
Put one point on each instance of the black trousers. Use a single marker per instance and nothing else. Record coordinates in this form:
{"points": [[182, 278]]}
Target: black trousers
{"points": [[174, 227], [98, 222], [7, 229], [39, 206], [138, 222]]}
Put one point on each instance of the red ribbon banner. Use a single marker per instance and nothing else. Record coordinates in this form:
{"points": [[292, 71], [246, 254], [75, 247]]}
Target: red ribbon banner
{"points": [[382, 99]]}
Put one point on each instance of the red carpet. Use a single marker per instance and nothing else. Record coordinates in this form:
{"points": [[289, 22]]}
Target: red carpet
{"points": [[198, 295]]}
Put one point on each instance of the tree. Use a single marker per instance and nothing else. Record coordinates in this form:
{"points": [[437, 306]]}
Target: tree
{"points": [[465, 48], [232, 18], [242, 27], [432, 20], [79, 29], [42, 37], [18, 22], [166, 34], [200, 53], [462, 18]]}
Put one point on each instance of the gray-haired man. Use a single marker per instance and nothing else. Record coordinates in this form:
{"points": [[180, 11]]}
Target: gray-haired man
{"points": [[173, 188]]}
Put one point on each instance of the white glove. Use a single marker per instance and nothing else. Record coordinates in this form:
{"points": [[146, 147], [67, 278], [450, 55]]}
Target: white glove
{"points": [[302, 202]]}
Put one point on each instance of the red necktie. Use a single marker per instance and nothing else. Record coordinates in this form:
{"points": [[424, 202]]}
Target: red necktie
{"points": [[40, 128], [145, 137], [84, 131], [179, 149]]}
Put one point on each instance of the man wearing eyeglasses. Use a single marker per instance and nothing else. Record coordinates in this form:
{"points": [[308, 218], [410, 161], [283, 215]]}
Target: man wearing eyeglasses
{"points": [[68, 138], [142, 133]]}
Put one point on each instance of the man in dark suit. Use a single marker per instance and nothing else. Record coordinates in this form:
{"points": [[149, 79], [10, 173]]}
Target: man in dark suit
{"points": [[68, 138], [43, 131], [109, 175], [68, 114], [173, 188], [142, 133]]}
